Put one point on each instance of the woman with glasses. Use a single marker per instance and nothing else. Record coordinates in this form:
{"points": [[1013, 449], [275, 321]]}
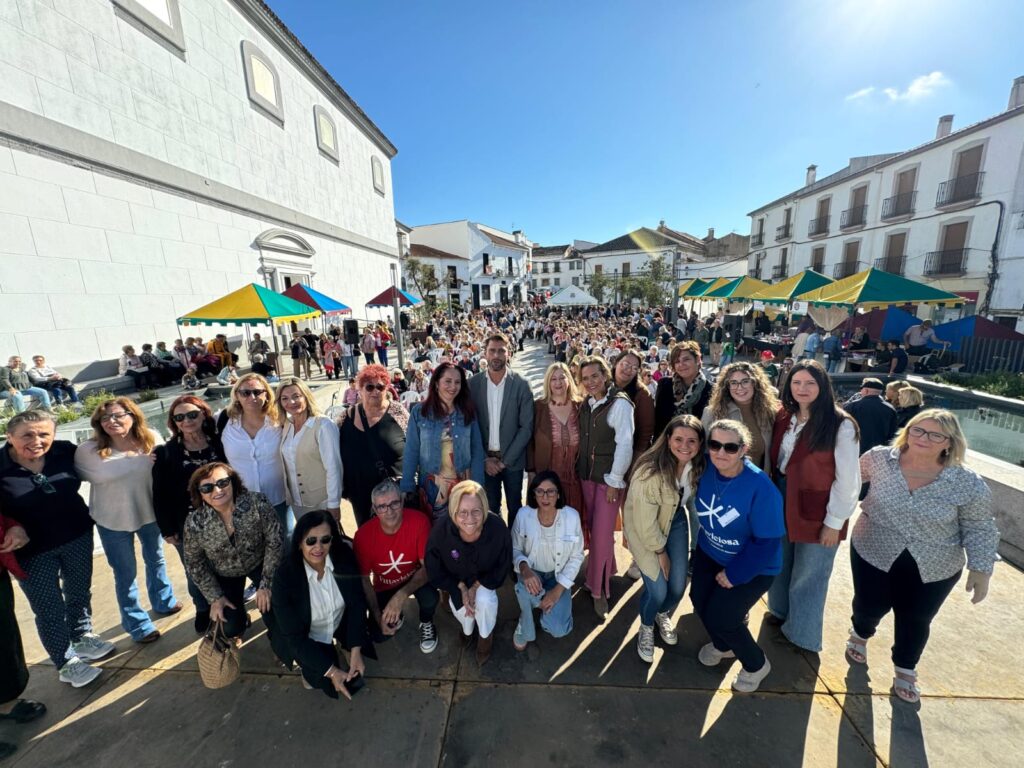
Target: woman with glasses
{"points": [[319, 606], [739, 551], [309, 451], [814, 454], [555, 442], [372, 439], [39, 491], [655, 524], [468, 556], [687, 390], [743, 393], [194, 443], [647, 379], [232, 534], [443, 443], [118, 464], [547, 552], [925, 516], [250, 431]]}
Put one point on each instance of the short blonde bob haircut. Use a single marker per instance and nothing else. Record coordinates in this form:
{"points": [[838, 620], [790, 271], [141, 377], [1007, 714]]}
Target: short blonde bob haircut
{"points": [[572, 390], [956, 449], [461, 489], [911, 396], [312, 409]]}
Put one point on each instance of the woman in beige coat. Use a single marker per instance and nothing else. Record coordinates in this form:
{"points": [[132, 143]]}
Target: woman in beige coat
{"points": [[655, 523]]}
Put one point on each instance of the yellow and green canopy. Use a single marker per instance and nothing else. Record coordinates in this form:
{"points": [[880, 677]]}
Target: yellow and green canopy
{"points": [[784, 291], [736, 289], [874, 288], [252, 304], [694, 284], [701, 287]]}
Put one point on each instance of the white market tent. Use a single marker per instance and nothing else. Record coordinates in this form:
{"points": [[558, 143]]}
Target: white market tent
{"points": [[572, 296]]}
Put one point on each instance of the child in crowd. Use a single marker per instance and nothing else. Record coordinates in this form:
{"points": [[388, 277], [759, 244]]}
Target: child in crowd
{"points": [[728, 353], [228, 375], [263, 368], [771, 370], [190, 381], [351, 394]]}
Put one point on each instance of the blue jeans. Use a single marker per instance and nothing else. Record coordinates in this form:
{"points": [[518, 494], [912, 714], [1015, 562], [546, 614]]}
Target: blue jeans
{"points": [[382, 356], [349, 367], [58, 586], [18, 398], [557, 622], [663, 595], [511, 481], [798, 593], [119, 547]]}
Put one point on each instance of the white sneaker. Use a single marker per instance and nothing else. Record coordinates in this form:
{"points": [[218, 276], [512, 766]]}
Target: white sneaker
{"points": [[633, 571], [747, 682], [428, 636], [77, 673], [90, 647], [710, 656], [645, 643], [665, 628]]}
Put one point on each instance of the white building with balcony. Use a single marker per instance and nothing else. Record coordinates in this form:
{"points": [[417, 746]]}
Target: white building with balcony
{"points": [[157, 155], [556, 266], [949, 213], [477, 265]]}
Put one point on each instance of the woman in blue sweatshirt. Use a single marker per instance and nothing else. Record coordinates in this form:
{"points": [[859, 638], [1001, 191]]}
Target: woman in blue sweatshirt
{"points": [[739, 551]]}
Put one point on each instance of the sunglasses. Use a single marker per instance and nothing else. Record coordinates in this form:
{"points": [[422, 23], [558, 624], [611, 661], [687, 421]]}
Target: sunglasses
{"points": [[378, 387], [224, 482], [312, 540], [190, 415], [730, 448], [251, 392], [43, 482]]}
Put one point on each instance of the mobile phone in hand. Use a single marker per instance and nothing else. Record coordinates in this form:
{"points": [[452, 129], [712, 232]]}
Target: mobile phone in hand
{"points": [[354, 685]]}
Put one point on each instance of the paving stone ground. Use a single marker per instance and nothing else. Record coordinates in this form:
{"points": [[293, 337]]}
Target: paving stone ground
{"points": [[584, 700]]}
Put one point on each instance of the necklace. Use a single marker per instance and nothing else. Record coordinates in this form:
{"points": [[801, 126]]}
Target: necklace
{"points": [[720, 489]]}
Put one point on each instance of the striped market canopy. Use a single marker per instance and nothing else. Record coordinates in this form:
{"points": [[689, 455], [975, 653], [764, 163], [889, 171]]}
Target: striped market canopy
{"points": [[316, 300], [737, 288], [784, 291], [698, 291], [250, 305], [875, 288], [695, 284]]}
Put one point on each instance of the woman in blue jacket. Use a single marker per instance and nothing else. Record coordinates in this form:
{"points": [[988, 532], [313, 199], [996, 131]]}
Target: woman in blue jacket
{"points": [[443, 444], [739, 551]]}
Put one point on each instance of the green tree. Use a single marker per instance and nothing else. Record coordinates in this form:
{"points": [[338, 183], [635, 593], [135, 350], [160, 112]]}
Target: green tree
{"points": [[424, 279], [599, 285]]}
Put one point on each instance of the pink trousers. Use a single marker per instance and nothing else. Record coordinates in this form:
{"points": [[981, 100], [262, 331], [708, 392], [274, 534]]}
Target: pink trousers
{"points": [[601, 520]]}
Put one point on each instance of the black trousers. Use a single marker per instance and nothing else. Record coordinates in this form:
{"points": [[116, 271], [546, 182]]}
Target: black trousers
{"points": [[913, 603], [426, 599], [13, 672], [722, 610], [235, 618]]}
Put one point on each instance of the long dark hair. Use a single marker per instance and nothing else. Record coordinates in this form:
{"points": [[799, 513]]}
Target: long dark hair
{"points": [[432, 406], [209, 423], [826, 417], [631, 387], [304, 525]]}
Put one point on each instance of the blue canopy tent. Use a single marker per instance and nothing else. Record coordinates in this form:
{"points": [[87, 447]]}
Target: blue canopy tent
{"points": [[974, 326], [883, 324]]}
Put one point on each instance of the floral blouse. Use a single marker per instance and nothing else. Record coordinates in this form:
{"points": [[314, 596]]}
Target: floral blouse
{"points": [[210, 552]]}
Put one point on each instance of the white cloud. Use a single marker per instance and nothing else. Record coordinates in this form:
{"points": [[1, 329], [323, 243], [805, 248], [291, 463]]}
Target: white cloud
{"points": [[919, 87], [862, 93]]}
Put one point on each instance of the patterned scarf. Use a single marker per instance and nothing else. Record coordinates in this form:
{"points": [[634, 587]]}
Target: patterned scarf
{"points": [[686, 397]]}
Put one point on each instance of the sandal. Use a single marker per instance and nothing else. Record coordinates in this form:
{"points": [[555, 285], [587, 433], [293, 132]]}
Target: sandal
{"points": [[857, 649], [905, 688]]}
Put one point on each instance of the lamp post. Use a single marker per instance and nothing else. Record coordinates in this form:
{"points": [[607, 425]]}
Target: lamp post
{"points": [[398, 320]]}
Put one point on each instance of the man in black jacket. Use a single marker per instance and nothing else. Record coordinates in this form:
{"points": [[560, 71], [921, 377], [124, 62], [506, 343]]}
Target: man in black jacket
{"points": [[876, 418]]}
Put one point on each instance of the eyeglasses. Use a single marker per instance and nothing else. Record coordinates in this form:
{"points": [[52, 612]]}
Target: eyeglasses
{"points": [[392, 506], [190, 415], [464, 515], [43, 482], [934, 437], [223, 483], [115, 416], [730, 448], [546, 491], [377, 387], [629, 366], [252, 392], [312, 540], [740, 383]]}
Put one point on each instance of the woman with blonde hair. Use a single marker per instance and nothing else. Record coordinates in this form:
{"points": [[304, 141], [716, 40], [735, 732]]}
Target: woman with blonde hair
{"points": [[310, 452], [468, 555], [118, 463], [910, 403], [743, 393], [892, 392], [556, 432], [250, 431], [925, 516]]}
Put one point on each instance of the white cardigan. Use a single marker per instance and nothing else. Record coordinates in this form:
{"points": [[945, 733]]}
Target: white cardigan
{"points": [[526, 530]]}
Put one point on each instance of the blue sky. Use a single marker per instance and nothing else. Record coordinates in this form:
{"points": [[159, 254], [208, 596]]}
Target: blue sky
{"points": [[588, 119]]}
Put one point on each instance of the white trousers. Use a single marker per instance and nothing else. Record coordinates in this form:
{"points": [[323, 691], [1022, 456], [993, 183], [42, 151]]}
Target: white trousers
{"points": [[485, 616]]}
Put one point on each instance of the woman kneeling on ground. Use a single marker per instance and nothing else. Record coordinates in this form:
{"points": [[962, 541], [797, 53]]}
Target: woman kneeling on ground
{"points": [[739, 551]]}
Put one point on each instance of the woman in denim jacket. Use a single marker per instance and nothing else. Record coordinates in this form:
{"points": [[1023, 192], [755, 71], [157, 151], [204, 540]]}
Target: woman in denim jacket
{"points": [[443, 444]]}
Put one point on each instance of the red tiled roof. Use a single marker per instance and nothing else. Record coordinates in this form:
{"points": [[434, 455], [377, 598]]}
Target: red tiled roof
{"points": [[502, 241], [420, 251]]}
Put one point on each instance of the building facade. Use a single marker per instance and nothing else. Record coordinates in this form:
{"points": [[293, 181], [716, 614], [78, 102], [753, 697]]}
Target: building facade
{"points": [[949, 213], [556, 266], [157, 155], [477, 265]]}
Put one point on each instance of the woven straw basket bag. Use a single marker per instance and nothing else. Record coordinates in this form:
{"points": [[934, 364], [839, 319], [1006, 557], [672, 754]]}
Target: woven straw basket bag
{"points": [[219, 664]]}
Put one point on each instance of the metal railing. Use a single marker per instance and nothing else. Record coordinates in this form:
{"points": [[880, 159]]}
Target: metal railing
{"points": [[818, 226], [949, 262], [854, 217], [893, 264], [780, 270], [899, 205], [784, 232], [845, 269], [757, 239], [755, 273], [960, 189]]}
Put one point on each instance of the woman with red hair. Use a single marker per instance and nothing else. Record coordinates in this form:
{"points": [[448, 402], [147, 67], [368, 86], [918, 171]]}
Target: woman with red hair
{"points": [[194, 443]]}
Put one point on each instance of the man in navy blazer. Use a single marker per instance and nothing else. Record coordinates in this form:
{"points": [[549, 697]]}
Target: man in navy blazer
{"points": [[504, 406]]}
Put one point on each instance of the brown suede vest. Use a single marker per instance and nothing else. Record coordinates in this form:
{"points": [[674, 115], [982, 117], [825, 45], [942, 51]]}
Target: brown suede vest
{"points": [[597, 439]]}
